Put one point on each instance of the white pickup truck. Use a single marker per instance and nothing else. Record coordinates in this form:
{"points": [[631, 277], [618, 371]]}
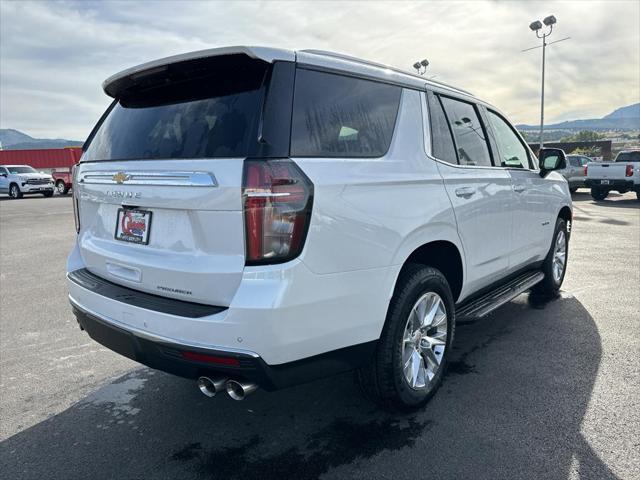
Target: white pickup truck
{"points": [[621, 175]]}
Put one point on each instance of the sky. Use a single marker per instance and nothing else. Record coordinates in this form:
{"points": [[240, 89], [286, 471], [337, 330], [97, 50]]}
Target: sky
{"points": [[55, 55]]}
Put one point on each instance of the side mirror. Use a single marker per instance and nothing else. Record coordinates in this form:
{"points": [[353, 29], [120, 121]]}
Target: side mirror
{"points": [[3, 175], [551, 159]]}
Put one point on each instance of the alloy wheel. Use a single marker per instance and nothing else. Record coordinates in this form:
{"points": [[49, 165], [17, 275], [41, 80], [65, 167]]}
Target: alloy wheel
{"points": [[559, 256], [424, 341]]}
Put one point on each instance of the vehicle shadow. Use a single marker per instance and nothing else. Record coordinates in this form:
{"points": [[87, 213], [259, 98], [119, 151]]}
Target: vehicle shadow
{"points": [[614, 199], [34, 196], [511, 407]]}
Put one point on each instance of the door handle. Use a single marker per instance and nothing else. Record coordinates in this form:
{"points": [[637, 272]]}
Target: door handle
{"points": [[465, 191], [519, 188]]}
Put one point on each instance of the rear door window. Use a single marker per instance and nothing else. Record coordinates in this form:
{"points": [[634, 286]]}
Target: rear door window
{"points": [[340, 116], [468, 132]]}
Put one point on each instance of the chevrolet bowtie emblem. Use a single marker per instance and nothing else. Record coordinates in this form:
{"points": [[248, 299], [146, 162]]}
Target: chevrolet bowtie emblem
{"points": [[121, 177]]}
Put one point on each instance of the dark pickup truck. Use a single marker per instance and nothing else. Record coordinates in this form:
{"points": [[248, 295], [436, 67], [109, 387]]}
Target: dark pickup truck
{"points": [[62, 180]]}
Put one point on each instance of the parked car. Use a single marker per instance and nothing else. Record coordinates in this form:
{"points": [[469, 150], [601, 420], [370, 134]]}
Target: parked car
{"points": [[62, 179], [18, 180], [258, 218], [575, 172], [621, 175]]}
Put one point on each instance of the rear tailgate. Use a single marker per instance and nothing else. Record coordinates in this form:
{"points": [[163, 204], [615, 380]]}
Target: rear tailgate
{"points": [[194, 227], [159, 184], [606, 171]]}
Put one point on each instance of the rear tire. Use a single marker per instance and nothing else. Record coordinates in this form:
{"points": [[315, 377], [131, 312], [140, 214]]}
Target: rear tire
{"points": [[599, 194], [61, 187], [555, 263], [48, 194], [411, 355], [14, 191]]}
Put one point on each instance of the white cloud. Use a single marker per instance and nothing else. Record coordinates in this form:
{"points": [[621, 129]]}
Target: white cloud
{"points": [[54, 56]]}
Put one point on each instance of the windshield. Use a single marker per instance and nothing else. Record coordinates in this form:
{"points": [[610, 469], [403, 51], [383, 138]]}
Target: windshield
{"points": [[209, 115], [21, 169], [628, 157]]}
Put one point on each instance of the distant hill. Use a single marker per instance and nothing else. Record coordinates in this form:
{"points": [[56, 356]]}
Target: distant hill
{"points": [[17, 140], [630, 111], [623, 118]]}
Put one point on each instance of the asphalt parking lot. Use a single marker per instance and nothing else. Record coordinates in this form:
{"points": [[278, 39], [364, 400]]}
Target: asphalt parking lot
{"points": [[537, 390]]}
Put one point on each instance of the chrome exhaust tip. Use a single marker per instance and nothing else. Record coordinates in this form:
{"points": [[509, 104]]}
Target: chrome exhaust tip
{"points": [[210, 386], [239, 390]]}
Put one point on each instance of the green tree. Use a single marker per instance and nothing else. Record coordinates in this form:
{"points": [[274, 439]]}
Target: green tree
{"points": [[583, 136]]}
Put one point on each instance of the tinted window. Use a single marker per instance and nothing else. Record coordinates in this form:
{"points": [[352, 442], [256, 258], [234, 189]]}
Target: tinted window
{"points": [[574, 161], [205, 113], [628, 157], [512, 152], [21, 169], [468, 132], [442, 142], [585, 160], [338, 116]]}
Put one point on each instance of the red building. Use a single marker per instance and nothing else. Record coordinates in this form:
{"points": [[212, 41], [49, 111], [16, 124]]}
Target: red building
{"points": [[44, 159]]}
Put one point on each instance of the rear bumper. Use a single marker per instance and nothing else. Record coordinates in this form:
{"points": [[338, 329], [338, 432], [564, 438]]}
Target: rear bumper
{"points": [[166, 355], [283, 313], [613, 184]]}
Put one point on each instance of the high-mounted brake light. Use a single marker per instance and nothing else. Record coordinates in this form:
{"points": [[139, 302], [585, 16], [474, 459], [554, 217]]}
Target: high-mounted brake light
{"points": [[277, 209], [629, 171]]}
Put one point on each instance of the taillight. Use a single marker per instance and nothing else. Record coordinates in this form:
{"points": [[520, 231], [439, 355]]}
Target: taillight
{"points": [[74, 200], [629, 171], [277, 209], [585, 170]]}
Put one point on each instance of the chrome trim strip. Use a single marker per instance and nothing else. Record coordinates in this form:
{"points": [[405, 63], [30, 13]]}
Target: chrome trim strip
{"points": [[155, 178], [158, 338], [266, 194]]}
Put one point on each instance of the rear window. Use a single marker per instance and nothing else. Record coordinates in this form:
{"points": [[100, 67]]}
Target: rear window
{"points": [[205, 112], [628, 157], [339, 116]]}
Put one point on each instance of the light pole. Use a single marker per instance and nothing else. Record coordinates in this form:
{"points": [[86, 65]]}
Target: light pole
{"points": [[537, 27], [421, 66]]}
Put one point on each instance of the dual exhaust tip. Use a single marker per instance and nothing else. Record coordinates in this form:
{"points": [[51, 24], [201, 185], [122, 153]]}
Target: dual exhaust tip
{"points": [[238, 390]]}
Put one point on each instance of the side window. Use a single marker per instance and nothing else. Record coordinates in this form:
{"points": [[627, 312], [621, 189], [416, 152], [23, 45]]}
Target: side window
{"points": [[513, 153], [585, 160], [339, 116], [441, 139], [468, 132], [574, 161]]}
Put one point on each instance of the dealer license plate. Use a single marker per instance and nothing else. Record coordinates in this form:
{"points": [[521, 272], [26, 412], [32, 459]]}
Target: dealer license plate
{"points": [[133, 225]]}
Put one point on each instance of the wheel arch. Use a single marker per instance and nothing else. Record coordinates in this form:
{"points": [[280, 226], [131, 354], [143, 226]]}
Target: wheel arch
{"points": [[443, 255], [567, 215]]}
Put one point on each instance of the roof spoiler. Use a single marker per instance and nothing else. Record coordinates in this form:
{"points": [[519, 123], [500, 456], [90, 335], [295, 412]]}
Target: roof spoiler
{"points": [[114, 84]]}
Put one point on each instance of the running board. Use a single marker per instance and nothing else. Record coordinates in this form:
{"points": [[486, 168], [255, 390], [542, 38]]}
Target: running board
{"points": [[488, 302]]}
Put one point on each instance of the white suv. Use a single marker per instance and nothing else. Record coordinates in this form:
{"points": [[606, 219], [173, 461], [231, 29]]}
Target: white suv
{"points": [[258, 218]]}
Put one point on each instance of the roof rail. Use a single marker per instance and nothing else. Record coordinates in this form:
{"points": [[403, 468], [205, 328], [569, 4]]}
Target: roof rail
{"points": [[387, 67]]}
